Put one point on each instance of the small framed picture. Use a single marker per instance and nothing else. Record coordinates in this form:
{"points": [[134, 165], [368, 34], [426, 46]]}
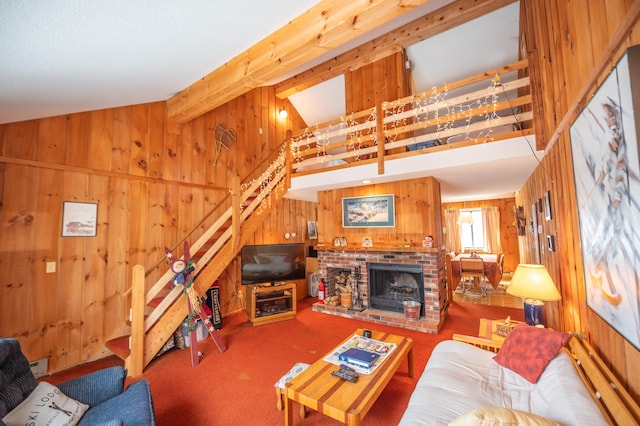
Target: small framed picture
{"points": [[551, 243], [79, 219], [367, 242], [312, 229]]}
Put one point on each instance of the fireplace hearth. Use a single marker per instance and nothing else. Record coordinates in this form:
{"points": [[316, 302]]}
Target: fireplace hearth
{"points": [[391, 284], [429, 261]]}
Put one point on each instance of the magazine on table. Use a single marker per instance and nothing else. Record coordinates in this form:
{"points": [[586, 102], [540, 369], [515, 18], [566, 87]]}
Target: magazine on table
{"points": [[379, 350]]}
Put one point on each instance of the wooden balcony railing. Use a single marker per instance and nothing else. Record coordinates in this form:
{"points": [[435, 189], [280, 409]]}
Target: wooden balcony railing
{"points": [[491, 106]]}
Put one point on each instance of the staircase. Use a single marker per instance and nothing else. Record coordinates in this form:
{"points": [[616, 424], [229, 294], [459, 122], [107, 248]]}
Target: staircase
{"points": [[158, 312]]}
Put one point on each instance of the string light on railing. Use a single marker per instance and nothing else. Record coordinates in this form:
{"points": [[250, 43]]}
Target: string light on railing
{"points": [[431, 111], [265, 179]]}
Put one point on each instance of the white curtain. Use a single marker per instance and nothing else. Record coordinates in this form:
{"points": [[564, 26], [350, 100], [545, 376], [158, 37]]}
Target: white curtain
{"points": [[453, 241], [491, 225]]}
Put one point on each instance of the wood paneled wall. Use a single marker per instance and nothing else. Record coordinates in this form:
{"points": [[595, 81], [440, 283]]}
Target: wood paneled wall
{"points": [[152, 185], [417, 214], [508, 230], [572, 46], [387, 79]]}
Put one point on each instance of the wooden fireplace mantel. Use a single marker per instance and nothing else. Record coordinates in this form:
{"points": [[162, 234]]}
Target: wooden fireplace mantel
{"points": [[400, 248]]}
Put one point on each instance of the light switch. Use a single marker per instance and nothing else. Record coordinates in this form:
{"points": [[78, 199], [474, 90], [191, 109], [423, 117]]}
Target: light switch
{"points": [[51, 267]]}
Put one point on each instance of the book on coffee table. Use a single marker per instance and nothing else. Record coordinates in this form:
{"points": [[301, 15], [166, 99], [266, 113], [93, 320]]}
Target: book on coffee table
{"points": [[365, 344], [359, 357]]}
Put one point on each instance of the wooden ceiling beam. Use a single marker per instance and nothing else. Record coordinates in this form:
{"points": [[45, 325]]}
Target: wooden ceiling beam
{"points": [[445, 18], [324, 27]]}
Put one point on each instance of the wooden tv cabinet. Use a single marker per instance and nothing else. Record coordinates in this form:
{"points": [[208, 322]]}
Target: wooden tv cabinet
{"points": [[267, 304]]}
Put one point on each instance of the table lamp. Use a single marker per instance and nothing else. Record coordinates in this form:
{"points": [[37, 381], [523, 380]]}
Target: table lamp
{"points": [[534, 284]]}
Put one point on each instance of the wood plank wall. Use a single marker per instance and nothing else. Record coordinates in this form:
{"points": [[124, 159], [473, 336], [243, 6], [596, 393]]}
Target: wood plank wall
{"points": [[508, 230], [417, 212], [567, 44], [152, 184], [384, 80]]}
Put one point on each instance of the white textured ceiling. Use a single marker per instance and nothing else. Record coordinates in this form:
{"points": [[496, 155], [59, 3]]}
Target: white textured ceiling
{"points": [[64, 56]]}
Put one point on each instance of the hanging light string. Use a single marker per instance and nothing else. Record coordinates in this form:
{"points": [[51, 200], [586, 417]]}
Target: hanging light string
{"points": [[315, 138], [265, 181], [430, 111]]}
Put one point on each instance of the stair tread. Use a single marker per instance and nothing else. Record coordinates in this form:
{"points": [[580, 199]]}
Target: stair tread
{"points": [[119, 346]]}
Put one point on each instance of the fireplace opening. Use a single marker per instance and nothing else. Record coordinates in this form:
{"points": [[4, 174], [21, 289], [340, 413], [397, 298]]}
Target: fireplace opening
{"points": [[391, 284]]}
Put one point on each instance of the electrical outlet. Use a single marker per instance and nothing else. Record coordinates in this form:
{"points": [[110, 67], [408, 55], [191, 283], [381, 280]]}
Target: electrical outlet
{"points": [[240, 295], [51, 267]]}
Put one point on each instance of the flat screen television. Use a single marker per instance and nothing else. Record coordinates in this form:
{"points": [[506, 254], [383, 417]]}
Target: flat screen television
{"points": [[269, 263]]}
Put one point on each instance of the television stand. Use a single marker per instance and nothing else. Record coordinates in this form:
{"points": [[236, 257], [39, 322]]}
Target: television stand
{"points": [[271, 304]]}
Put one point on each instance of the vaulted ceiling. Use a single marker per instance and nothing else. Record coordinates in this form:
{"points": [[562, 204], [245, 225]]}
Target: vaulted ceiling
{"points": [[65, 56]]}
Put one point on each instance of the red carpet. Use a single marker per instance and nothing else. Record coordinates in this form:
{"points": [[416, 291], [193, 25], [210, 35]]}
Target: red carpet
{"points": [[236, 387]]}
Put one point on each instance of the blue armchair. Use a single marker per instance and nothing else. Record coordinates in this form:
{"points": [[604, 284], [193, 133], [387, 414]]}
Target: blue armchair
{"points": [[103, 391]]}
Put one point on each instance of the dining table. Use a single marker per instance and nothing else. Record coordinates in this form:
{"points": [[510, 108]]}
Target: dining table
{"points": [[492, 270]]}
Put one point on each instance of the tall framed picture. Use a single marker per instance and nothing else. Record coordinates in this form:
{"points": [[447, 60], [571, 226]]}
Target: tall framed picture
{"points": [[312, 229], [547, 206], [79, 219], [369, 212], [604, 144]]}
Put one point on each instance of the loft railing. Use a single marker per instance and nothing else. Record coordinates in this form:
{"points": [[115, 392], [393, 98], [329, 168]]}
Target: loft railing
{"points": [[491, 106]]}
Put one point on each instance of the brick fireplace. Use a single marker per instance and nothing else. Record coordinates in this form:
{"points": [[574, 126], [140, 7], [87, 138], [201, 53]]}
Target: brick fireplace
{"points": [[427, 263]]}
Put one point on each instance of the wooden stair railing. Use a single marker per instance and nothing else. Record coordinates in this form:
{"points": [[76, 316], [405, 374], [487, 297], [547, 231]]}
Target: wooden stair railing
{"points": [[213, 251]]}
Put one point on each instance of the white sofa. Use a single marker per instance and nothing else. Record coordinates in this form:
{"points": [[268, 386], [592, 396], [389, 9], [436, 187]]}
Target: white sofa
{"points": [[460, 378]]}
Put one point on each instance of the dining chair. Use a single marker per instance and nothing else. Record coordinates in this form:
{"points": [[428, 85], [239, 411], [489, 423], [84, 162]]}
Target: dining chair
{"points": [[500, 261], [502, 287], [472, 273]]}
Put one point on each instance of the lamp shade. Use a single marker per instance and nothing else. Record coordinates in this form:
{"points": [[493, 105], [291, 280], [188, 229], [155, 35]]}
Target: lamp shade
{"points": [[533, 281]]}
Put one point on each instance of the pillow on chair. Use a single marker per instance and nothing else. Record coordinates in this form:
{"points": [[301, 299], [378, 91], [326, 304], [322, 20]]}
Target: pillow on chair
{"points": [[46, 405]]}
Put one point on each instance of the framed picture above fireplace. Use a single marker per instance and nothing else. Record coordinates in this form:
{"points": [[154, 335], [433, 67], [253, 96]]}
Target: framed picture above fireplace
{"points": [[375, 211]]}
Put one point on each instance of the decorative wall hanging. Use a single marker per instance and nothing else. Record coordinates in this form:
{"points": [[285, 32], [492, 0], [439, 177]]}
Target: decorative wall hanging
{"points": [[604, 143], [223, 138], [79, 219], [368, 212], [518, 214]]}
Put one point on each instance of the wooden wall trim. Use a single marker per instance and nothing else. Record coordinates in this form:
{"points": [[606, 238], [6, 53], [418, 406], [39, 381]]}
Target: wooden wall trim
{"points": [[97, 172]]}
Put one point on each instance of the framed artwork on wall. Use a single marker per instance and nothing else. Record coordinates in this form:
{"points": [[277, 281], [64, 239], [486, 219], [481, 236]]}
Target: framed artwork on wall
{"points": [[312, 229], [547, 206], [534, 230], [79, 219], [551, 245], [604, 145], [375, 211]]}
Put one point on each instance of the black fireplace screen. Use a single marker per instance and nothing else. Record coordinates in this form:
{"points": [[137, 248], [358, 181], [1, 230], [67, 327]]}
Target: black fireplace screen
{"points": [[391, 284]]}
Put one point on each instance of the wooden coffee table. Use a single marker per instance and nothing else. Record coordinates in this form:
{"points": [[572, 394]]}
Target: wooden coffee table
{"points": [[339, 399]]}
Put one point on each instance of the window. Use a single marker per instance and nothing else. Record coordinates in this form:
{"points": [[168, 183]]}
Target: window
{"points": [[471, 233]]}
